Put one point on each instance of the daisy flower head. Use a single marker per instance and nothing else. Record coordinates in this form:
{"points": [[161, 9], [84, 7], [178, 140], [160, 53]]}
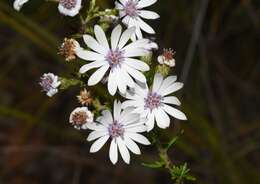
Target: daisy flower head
{"points": [[155, 103], [69, 7], [133, 15], [167, 58], [18, 4], [117, 61], [123, 128], [80, 117], [68, 49], [50, 83]]}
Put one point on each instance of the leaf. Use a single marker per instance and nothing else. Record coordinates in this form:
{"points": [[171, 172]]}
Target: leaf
{"points": [[154, 165]]}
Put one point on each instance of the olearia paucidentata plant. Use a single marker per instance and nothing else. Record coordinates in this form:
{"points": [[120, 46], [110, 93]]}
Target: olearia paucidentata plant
{"points": [[123, 92]]}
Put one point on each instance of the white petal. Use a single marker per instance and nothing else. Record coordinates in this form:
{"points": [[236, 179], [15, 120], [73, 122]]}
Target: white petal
{"points": [[96, 126], [132, 146], [137, 129], [95, 64], [148, 14], [171, 100], [115, 36], [121, 84], [94, 45], [113, 153], [96, 134], [167, 82], [142, 43], [136, 52], [150, 123], [138, 138], [118, 6], [107, 117], [157, 82], [111, 84], [162, 119], [135, 74], [129, 103], [97, 145], [145, 27], [137, 64], [145, 3], [123, 150], [117, 109], [98, 75], [101, 37], [126, 36], [174, 112], [127, 79], [171, 89], [88, 55]]}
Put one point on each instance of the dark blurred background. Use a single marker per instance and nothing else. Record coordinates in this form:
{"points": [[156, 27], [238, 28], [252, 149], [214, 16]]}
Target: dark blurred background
{"points": [[217, 44]]}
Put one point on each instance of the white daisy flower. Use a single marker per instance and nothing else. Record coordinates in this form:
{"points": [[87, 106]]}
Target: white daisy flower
{"points": [[50, 83], [123, 127], [167, 58], [154, 104], [117, 61], [69, 7], [18, 4], [80, 117], [132, 14]]}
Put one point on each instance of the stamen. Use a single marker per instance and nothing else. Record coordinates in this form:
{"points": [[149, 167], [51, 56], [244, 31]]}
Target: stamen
{"points": [[168, 54], [130, 8], [115, 57], [46, 83], [116, 130], [153, 100], [68, 4]]}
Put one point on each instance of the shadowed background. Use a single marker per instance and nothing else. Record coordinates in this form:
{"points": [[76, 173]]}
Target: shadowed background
{"points": [[217, 44]]}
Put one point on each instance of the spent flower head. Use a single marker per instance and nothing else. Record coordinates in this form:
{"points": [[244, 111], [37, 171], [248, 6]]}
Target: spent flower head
{"points": [[80, 117], [68, 49], [167, 58], [84, 97]]}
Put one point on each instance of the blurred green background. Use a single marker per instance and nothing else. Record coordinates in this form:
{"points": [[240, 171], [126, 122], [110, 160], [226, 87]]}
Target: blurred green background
{"points": [[217, 44]]}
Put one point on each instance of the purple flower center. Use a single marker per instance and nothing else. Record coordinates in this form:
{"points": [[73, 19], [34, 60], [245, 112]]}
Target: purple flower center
{"points": [[68, 4], [130, 8], [46, 83], [115, 57], [153, 100], [116, 129]]}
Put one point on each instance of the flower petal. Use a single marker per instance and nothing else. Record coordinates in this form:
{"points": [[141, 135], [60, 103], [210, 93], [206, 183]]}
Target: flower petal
{"points": [[126, 36], [148, 14], [95, 64], [88, 55], [98, 75], [123, 150], [113, 153], [111, 84], [96, 134], [101, 37], [138, 138], [94, 45], [145, 3], [117, 109], [115, 36], [171, 89], [132, 146], [174, 112], [135, 74], [144, 26], [171, 100], [98, 144], [157, 82], [162, 119]]}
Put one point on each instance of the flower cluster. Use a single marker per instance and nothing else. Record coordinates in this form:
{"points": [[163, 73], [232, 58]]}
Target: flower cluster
{"points": [[117, 62]]}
